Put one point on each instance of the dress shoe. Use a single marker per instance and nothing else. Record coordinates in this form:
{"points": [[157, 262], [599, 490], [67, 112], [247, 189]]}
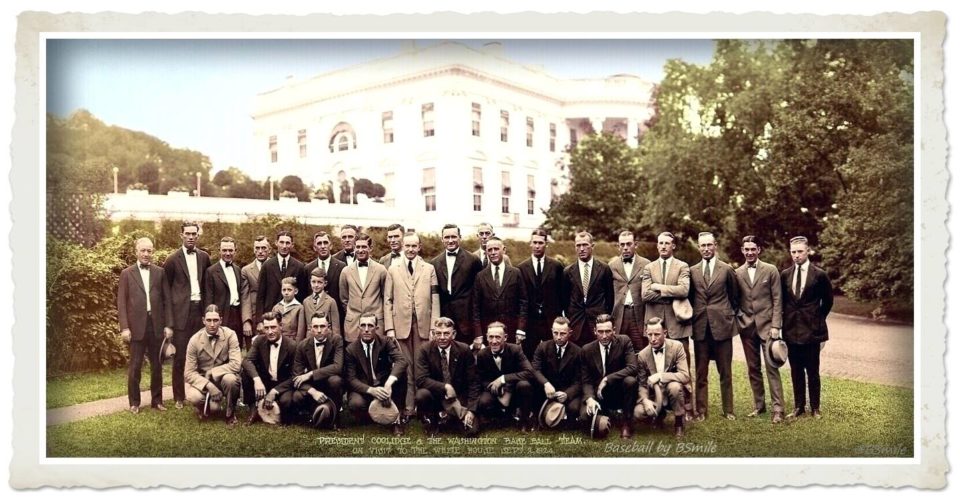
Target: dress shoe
{"points": [[730, 416], [231, 421], [626, 431], [757, 412], [179, 404], [688, 417], [159, 408], [398, 430], [700, 418], [134, 409], [816, 414], [796, 413], [254, 417], [678, 431], [777, 417]]}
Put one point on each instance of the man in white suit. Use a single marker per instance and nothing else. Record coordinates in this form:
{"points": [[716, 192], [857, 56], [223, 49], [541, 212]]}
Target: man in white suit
{"points": [[411, 304], [628, 307], [361, 288]]}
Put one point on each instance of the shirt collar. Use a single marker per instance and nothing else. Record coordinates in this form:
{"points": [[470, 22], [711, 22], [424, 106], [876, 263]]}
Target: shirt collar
{"points": [[806, 265], [223, 264]]}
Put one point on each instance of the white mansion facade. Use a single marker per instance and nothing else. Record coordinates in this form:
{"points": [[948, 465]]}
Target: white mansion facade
{"points": [[454, 134]]}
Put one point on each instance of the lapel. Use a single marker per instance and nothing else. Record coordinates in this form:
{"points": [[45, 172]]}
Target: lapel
{"points": [[503, 278], [363, 356], [594, 270], [221, 274], [139, 280], [620, 267], [214, 351], [457, 263], [565, 358], [744, 274], [672, 270]]}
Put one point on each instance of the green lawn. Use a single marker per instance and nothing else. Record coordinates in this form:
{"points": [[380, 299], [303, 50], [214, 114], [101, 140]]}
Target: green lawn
{"points": [[72, 389], [860, 420]]}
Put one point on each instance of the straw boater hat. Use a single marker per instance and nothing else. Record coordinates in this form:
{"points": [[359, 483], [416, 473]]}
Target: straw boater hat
{"points": [[271, 415], [682, 309], [599, 427], [551, 414], [777, 352], [385, 413]]}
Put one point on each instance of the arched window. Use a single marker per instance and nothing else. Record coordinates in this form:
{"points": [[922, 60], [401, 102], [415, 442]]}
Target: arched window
{"points": [[342, 138]]}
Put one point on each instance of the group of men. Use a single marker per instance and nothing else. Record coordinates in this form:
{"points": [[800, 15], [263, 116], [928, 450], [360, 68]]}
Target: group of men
{"points": [[467, 338]]}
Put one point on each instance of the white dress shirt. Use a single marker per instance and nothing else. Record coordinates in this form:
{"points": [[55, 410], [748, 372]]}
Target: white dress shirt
{"points": [[658, 358], [589, 265], [274, 358], [805, 268], [194, 275], [493, 272], [145, 275], [450, 261], [628, 269], [231, 283]]}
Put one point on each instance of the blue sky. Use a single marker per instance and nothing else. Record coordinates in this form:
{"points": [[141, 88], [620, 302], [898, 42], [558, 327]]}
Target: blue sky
{"points": [[198, 94]]}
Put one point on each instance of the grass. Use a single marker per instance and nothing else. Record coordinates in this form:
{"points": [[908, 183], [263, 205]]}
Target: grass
{"points": [[897, 312], [72, 389], [860, 420]]}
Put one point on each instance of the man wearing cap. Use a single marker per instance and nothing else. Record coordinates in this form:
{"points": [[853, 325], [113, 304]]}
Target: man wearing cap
{"points": [[376, 373], [662, 366], [361, 288], [249, 285], [269, 363], [760, 321], [395, 243], [587, 290], [505, 375], [807, 299], [222, 285], [556, 367], [541, 276], [627, 270], [608, 367], [317, 372], [665, 281], [274, 270], [484, 233], [456, 272], [184, 272], [499, 296], [145, 319], [447, 382], [411, 304], [332, 266], [212, 368]]}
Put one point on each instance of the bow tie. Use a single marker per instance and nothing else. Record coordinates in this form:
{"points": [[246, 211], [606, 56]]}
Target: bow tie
{"points": [[275, 344], [213, 337], [144, 267], [628, 259], [751, 265], [362, 264], [657, 350], [394, 255], [451, 253], [228, 264], [191, 251], [348, 253], [318, 344], [497, 355]]}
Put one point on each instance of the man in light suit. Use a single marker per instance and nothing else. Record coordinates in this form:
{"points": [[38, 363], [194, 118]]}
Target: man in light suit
{"points": [[761, 319], [715, 297], [662, 363], [608, 376], [361, 289], [269, 363], [222, 285], [332, 266], [807, 300], [484, 233], [663, 281], [627, 272], [587, 290], [213, 367], [275, 270], [499, 296], [249, 284], [541, 275], [145, 319], [395, 242], [411, 304], [456, 271], [556, 367], [184, 272], [348, 239]]}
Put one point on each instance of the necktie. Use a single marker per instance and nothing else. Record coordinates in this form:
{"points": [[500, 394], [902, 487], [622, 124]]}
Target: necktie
{"points": [[410, 266], [663, 269], [445, 365], [586, 279], [316, 299], [539, 267], [799, 286], [496, 276], [606, 358], [368, 350], [706, 270], [559, 353], [323, 264], [283, 265]]}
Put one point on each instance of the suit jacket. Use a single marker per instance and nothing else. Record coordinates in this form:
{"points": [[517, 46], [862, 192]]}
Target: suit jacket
{"points": [[660, 303], [331, 361], [342, 256], [543, 294], [599, 297], [623, 282], [257, 362], [218, 360], [805, 318], [463, 372], [483, 259], [325, 305], [216, 290], [388, 260], [760, 301], [715, 303], [388, 361], [334, 269], [249, 285], [563, 374], [178, 276], [514, 366], [361, 300], [621, 363], [508, 304], [268, 287], [405, 295], [674, 366], [132, 302], [457, 302], [293, 324]]}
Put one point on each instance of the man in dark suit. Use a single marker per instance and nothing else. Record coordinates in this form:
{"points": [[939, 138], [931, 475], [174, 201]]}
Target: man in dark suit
{"points": [[275, 270], [807, 300], [348, 237], [456, 271], [505, 375], [715, 298], [145, 319], [447, 382], [332, 266], [499, 296], [484, 233], [587, 290], [663, 363], [627, 270], [395, 243], [376, 371], [761, 319], [317, 370], [222, 286], [608, 376], [556, 367], [249, 284], [541, 276], [268, 364], [184, 272]]}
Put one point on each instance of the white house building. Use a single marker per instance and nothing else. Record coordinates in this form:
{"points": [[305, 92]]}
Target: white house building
{"points": [[453, 133]]}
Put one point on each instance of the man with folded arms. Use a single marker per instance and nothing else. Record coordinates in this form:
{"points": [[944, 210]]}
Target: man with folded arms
{"points": [[609, 376], [664, 365], [505, 375], [376, 372]]}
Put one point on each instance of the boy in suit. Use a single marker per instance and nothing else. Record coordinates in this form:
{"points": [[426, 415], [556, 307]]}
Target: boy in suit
{"points": [[320, 302], [292, 322]]}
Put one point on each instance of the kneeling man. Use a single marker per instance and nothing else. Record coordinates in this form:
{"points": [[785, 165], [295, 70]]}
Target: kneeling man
{"points": [[664, 364], [556, 366], [609, 376], [316, 386], [268, 364], [447, 382], [505, 375], [376, 373], [212, 368]]}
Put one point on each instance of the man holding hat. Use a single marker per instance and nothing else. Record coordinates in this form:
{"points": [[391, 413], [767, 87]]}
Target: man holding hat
{"points": [[212, 369], [269, 363], [316, 385], [664, 365], [447, 382], [609, 376], [505, 375], [377, 375], [556, 367]]}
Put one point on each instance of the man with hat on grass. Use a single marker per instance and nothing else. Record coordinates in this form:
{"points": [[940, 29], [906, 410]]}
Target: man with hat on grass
{"points": [[609, 377], [556, 367], [663, 364], [447, 382], [377, 375], [505, 375], [316, 386], [212, 369], [269, 363]]}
